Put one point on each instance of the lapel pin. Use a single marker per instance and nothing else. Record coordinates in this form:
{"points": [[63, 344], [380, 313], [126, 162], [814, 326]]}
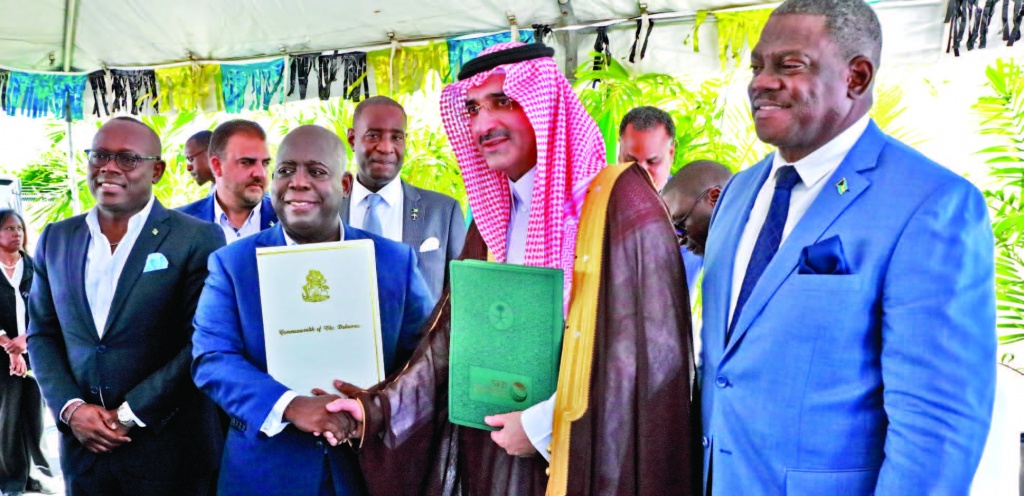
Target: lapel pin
{"points": [[842, 187], [155, 232], [271, 223], [415, 213]]}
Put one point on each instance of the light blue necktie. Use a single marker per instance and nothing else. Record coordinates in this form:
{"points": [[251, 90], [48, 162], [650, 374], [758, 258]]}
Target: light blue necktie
{"points": [[768, 239], [371, 223]]}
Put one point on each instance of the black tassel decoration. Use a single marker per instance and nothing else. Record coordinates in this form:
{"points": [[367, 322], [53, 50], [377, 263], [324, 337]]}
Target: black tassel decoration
{"points": [[636, 40], [300, 68], [541, 31], [327, 73], [98, 83], [141, 85], [4, 77], [357, 84]]}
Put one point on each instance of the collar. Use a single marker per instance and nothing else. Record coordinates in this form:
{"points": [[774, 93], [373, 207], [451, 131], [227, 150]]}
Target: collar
{"points": [[288, 241], [824, 160], [135, 223], [218, 212], [391, 192], [522, 190]]}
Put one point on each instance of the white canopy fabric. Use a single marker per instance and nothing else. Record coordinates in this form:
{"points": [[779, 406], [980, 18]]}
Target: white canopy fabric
{"points": [[126, 33]]}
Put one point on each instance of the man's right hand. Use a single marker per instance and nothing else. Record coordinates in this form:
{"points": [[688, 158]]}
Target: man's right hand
{"points": [[309, 414], [91, 425]]}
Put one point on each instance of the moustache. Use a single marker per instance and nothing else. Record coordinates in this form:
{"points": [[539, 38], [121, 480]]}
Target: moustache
{"points": [[497, 133], [256, 182]]}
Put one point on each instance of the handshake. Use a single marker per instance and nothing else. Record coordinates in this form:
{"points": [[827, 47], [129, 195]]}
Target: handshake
{"points": [[334, 417]]}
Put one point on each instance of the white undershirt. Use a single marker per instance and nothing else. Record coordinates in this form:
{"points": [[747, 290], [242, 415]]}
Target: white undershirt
{"points": [[813, 170], [389, 211], [249, 227], [19, 302]]}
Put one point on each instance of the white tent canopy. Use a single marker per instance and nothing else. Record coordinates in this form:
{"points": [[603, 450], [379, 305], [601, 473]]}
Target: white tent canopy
{"points": [[124, 33]]}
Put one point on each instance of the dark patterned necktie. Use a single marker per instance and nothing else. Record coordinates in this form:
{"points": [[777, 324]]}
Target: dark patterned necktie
{"points": [[768, 239]]}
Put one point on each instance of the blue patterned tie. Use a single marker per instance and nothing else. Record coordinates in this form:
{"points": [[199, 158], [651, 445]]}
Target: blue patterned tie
{"points": [[768, 239], [371, 223]]}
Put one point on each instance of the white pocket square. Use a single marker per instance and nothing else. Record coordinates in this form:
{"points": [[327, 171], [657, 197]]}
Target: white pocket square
{"points": [[155, 261], [430, 244]]}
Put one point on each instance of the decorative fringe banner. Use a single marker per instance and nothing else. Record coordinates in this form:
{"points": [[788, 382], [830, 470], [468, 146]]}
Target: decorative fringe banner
{"points": [[327, 74], [4, 76], [190, 87], [259, 81], [357, 83], [41, 94], [970, 18], [462, 50], [736, 31], [410, 67], [100, 89], [300, 67], [134, 89]]}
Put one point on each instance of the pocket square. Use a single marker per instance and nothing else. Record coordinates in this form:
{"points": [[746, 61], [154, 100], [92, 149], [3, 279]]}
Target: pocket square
{"points": [[430, 244], [824, 257], [155, 261]]}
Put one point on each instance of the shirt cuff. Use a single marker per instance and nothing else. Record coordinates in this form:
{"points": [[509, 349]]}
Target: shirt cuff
{"points": [[131, 414], [65, 408], [275, 422], [537, 423]]}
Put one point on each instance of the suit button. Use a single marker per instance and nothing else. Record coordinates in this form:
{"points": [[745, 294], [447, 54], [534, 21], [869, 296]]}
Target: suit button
{"points": [[721, 381], [320, 445], [101, 349], [704, 441], [94, 390]]}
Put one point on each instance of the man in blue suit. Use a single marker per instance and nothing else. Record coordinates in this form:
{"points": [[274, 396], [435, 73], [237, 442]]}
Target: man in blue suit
{"points": [[271, 447], [849, 306], [110, 329], [239, 160]]}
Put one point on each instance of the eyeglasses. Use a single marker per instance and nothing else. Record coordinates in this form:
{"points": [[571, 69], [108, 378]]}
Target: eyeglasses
{"points": [[125, 161], [497, 104], [680, 225], [192, 158]]}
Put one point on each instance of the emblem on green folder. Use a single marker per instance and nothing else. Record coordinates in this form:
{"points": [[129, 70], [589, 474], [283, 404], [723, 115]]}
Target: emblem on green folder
{"points": [[518, 392], [316, 287], [500, 315]]}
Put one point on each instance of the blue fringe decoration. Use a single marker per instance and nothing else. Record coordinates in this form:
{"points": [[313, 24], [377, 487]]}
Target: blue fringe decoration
{"points": [[463, 50], [258, 81], [39, 95]]}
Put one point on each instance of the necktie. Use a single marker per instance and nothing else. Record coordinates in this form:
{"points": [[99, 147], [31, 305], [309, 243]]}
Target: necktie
{"points": [[768, 239], [371, 223]]}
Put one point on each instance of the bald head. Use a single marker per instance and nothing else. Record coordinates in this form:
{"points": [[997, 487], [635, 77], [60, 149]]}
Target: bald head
{"points": [[124, 164], [309, 184], [691, 196]]}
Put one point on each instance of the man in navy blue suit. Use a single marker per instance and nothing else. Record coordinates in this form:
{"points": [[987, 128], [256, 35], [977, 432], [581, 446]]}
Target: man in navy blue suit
{"points": [[111, 326], [271, 447], [239, 160], [849, 295]]}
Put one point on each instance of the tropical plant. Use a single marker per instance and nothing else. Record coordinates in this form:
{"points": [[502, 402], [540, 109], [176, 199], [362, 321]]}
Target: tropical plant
{"points": [[609, 91], [1002, 112]]}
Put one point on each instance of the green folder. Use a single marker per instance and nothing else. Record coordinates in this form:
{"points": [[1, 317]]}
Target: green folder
{"points": [[506, 339]]}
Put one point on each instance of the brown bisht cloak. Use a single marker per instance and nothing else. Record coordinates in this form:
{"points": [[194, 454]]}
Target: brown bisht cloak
{"points": [[640, 433]]}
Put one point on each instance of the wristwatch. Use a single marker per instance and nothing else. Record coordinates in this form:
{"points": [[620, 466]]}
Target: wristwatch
{"points": [[124, 416]]}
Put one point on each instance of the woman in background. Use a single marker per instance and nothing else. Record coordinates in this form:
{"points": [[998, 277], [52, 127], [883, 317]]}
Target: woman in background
{"points": [[21, 404]]}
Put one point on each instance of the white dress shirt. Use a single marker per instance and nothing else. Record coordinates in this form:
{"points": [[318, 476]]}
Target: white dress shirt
{"points": [[538, 419], [275, 422], [251, 225], [19, 302], [813, 170], [389, 211], [103, 271]]}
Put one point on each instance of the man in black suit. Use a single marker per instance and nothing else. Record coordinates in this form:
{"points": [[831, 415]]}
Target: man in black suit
{"points": [[381, 203], [110, 329]]}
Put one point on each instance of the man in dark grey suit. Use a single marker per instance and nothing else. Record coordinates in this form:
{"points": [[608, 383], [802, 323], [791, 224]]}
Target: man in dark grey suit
{"points": [[381, 203], [110, 332]]}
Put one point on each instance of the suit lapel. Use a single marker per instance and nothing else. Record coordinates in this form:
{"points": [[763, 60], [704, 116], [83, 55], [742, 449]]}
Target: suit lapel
{"points": [[825, 209], [75, 269], [343, 212], [154, 231], [267, 215], [721, 250], [208, 209], [413, 219]]}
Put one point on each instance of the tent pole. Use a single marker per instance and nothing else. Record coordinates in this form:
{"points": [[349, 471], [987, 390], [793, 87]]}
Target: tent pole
{"points": [[568, 39], [70, 13]]}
